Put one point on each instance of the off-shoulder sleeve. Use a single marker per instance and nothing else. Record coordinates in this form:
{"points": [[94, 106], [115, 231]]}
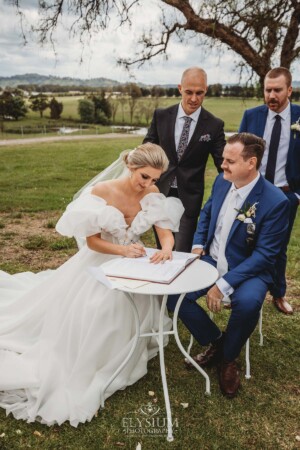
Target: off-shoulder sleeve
{"points": [[165, 212], [88, 215]]}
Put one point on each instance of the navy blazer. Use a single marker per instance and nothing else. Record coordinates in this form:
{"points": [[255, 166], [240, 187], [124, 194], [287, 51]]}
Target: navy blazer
{"points": [[271, 222], [208, 138], [254, 121]]}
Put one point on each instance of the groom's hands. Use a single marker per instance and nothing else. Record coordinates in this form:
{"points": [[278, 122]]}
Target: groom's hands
{"points": [[214, 298], [199, 251]]}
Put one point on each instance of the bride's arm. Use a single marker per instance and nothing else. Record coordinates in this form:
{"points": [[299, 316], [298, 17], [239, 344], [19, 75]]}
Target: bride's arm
{"points": [[166, 240], [100, 245]]}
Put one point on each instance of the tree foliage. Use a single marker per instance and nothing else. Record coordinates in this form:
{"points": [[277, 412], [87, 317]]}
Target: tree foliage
{"points": [[95, 109], [102, 107], [56, 108], [133, 92], [262, 33], [86, 110], [39, 103], [12, 106]]}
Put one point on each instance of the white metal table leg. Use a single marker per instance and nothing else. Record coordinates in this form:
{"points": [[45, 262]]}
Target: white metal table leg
{"points": [[182, 349], [133, 347], [170, 437]]}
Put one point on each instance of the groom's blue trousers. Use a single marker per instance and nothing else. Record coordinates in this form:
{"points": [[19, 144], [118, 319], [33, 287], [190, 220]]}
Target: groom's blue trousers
{"points": [[246, 303]]}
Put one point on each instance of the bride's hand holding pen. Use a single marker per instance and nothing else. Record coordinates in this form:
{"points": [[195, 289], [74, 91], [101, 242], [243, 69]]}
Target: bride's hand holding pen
{"points": [[134, 250]]}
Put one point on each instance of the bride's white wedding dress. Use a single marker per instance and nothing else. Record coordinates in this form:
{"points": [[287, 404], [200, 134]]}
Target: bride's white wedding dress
{"points": [[62, 333]]}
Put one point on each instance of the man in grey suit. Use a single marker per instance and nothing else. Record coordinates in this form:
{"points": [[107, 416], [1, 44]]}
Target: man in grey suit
{"points": [[188, 133]]}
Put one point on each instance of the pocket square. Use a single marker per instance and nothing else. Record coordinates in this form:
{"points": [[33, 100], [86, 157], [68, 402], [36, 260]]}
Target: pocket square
{"points": [[205, 138]]}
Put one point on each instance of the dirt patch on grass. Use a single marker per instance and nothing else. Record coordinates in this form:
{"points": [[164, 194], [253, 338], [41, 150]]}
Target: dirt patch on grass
{"points": [[29, 241]]}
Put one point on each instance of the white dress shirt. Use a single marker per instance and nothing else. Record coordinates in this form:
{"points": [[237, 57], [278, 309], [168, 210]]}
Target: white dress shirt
{"points": [[280, 176], [180, 122], [243, 193]]}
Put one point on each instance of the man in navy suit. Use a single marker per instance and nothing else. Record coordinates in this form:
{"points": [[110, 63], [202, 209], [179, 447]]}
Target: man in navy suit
{"points": [[241, 230], [286, 162], [188, 133]]}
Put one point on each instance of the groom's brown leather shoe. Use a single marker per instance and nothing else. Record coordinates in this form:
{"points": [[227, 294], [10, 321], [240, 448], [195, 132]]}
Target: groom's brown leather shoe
{"points": [[282, 305], [229, 378], [211, 356]]}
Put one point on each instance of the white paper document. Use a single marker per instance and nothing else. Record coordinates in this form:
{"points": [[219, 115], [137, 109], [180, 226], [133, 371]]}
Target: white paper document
{"points": [[142, 269], [114, 283]]}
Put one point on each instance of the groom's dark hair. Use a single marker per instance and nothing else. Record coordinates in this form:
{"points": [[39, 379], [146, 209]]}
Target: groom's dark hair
{"points": [[253, 145]]}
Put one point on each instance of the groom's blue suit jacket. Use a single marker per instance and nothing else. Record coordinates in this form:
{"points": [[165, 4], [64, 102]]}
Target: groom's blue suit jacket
{"points": [[254, 121], [247, 261]]}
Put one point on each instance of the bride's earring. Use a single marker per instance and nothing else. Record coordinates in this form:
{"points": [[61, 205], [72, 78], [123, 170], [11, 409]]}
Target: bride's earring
{"points": [[130, 174]]}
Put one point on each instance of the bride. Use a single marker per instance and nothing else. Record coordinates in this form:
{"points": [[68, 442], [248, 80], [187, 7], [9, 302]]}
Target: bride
{"points": [[62, 333]]}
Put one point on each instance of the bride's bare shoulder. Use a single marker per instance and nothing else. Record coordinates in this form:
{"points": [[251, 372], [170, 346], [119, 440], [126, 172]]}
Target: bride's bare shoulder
{"points": [[102, 188]]}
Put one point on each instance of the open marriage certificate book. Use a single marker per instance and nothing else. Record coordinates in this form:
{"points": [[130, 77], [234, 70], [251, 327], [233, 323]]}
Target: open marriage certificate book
{"points": [[142, 269]]}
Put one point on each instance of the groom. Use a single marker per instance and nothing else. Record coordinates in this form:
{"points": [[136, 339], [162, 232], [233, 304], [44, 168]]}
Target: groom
{"points": [[241, 231]]}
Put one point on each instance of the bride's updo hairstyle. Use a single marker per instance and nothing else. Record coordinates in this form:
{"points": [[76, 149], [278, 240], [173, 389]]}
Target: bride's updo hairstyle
{"points": [[146, 155]]}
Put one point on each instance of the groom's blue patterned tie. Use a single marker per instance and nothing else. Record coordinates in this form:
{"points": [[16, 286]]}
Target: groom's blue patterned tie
{"points": [[184, 138]]}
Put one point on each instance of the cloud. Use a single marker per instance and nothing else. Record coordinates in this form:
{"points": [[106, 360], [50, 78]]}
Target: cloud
{"points": [[99, 55]]}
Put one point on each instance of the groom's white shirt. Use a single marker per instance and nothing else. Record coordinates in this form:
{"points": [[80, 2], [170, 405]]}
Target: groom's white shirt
{"points": [[243, 193]]}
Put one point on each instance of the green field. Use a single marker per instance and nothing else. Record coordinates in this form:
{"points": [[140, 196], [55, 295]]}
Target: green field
{"points": [[37, 182], [228, 109]]}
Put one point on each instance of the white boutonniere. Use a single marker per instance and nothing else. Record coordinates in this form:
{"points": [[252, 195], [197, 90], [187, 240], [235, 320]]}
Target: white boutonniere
{"points": [[296, 127], [245, 214], [205, 138]]}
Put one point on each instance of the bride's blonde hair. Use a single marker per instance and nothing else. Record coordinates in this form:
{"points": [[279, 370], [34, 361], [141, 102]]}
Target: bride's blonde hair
{"points": [[147, 155]]}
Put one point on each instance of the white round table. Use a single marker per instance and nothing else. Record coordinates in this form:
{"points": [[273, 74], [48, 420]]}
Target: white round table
{"points": [[198, 275]]}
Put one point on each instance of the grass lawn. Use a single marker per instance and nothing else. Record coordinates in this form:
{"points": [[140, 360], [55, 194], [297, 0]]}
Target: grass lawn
{"points": [[36, 184]]}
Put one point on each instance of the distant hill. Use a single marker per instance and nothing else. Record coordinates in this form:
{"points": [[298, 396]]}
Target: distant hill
{"points": [[35, 78], [39, 80]]}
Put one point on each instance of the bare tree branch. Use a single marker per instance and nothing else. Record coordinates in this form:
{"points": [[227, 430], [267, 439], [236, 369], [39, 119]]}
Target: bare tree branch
{"points": [[260, 33], [289, 52]]}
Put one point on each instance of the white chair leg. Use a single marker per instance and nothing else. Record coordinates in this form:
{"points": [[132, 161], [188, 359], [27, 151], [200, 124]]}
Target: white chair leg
{"points": [[247, 351], [190, 344], [247, 348], [261, 337]]}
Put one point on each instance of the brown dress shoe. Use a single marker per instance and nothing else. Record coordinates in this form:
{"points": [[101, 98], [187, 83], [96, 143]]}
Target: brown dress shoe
{"points": [[282, 305], [229, 378], [211, 356]]}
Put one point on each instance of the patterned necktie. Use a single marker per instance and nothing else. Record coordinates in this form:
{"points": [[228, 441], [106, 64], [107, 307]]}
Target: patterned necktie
{"points": [[183, 143], [228, 218], [184, 138], [273, 150]]}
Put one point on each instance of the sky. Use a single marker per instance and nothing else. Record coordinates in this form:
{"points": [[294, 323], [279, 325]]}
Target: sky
{"points": [[100, 54]]}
